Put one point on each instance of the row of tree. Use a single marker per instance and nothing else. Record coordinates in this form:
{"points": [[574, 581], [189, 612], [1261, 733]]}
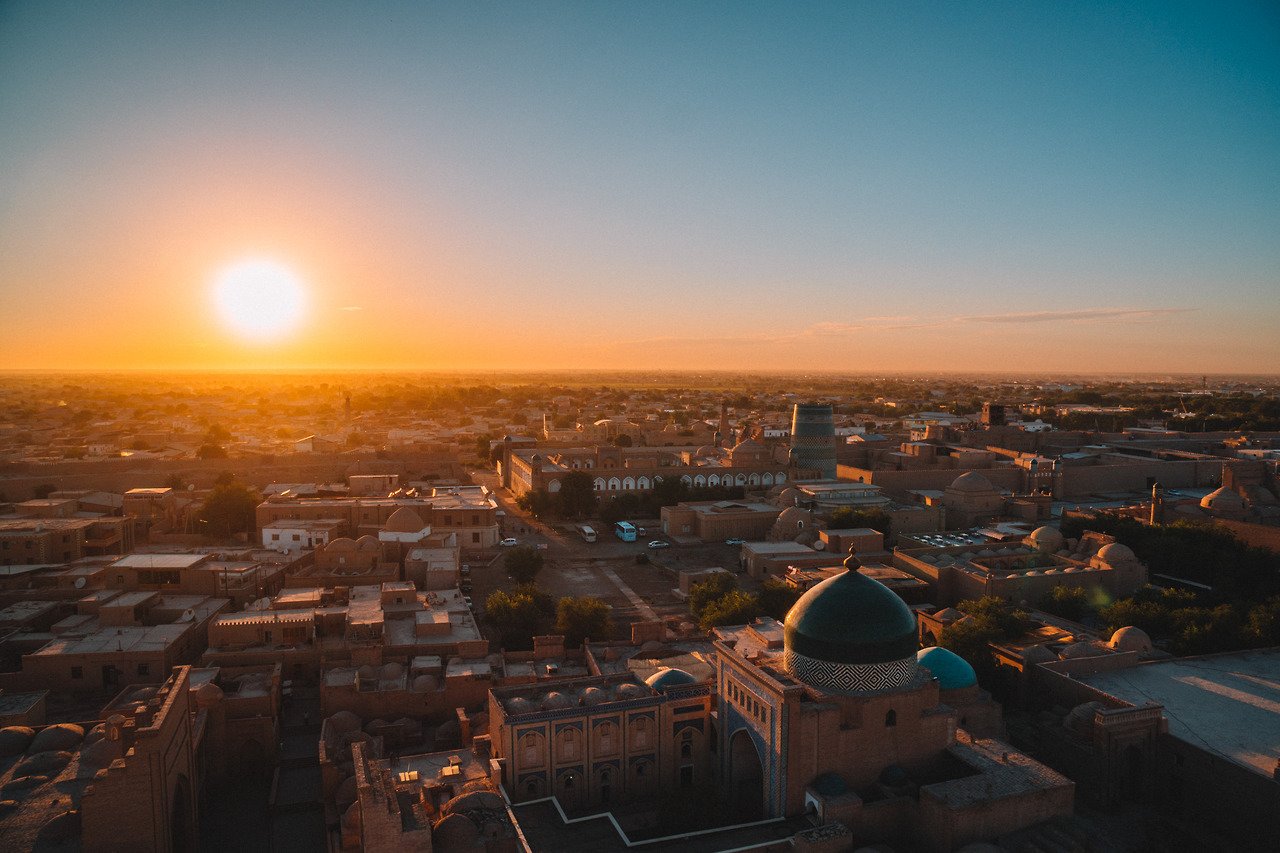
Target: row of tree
{"points": [[718, 601], [527, 611], [577, 499]]}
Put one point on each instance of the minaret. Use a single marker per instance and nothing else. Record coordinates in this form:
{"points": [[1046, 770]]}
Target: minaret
{"points": [[723, 433], [1157, 506]]}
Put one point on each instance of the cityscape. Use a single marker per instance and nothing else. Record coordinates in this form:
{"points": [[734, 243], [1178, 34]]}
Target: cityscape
{"points": [[788, 428]]}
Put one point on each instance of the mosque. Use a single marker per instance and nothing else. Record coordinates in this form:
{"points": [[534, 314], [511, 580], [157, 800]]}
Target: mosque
{"points": [[834, 722], [836, 714]]}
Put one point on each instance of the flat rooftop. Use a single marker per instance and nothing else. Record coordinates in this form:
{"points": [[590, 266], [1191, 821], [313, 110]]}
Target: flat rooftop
{"points": [[1228, 704], [159, 561]]}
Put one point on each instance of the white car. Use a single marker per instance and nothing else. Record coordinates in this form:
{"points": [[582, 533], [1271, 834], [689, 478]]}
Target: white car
{"points": [[658, 543], [735, 541], [508, 543]]}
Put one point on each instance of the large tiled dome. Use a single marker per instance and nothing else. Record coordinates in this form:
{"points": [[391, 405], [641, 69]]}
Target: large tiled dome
{"points": [[851, 634]]}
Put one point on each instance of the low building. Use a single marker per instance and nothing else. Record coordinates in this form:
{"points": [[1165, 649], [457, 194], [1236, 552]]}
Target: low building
{"points": [[714, 521]]}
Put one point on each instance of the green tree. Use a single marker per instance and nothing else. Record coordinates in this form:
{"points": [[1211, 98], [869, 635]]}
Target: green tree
{"points": [[229, 509], [583, 618], [622, 440], [539, 503], [211, 451], [1069, 602], [776, 598], [524, 563], [703, 592], [517, 616], [845, 518], [217, 434], [733, 608], [577, 495]]}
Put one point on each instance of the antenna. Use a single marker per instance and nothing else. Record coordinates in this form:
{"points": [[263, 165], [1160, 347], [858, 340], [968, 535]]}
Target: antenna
{"points": [[79, 584]]}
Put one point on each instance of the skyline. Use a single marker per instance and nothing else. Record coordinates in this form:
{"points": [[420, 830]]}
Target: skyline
{"points": [[824, 189]]}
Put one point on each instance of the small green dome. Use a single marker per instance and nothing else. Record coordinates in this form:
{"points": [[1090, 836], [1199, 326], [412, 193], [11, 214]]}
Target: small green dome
{"points": [[830, 785], [669, 677], [952, 671], [851, 619]]}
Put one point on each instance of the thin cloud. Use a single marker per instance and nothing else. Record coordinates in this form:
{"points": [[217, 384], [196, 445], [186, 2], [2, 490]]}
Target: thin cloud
{"points": [[351, 308], [1081, 314]]}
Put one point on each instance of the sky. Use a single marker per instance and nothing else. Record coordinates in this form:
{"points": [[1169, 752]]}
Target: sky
{"points": [[858, 186]]}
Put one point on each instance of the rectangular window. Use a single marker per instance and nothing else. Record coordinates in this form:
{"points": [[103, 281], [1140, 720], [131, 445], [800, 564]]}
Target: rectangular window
{"points": [[144, 669], [475, 519], [297, 537], [475, 538], [77, 672]]}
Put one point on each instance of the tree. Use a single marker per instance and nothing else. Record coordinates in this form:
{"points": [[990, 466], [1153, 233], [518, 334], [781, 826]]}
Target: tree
{"points": [[540, 503], [776, 598], [175, 482], [217, 434], [43, 490], [211, 451], [229, 509], [524, 563], [706, 591], [516, 615], [622, 440], [577, 495], [733, 608], [845, 517], [1069, 602], [583, 618]]}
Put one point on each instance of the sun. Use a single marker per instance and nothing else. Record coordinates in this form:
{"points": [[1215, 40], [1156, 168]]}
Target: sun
{"points": [[260, 298]]}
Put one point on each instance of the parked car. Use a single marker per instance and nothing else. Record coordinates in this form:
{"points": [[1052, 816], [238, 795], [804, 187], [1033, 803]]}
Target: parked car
{"points": [[509, 542], [640, 531], [466, 569], [735, 541], [658, 543]]}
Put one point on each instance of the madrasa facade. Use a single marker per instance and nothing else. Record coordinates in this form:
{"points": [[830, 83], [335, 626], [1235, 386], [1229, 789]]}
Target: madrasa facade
{"points": [[835, 718], [839, 715]]}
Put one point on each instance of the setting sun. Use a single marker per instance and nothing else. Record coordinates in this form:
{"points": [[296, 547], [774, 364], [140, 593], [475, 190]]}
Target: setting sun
{"points": [[259, 298]]}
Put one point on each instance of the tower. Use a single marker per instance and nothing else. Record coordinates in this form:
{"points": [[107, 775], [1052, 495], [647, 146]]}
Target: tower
{"points": [[813, 438]]}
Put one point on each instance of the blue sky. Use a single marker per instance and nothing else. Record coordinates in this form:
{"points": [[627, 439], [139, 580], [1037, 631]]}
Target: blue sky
{"points": [[830, 186]]}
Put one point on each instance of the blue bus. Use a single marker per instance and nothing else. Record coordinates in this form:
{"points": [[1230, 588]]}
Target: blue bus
{"points": [[625, 530]]}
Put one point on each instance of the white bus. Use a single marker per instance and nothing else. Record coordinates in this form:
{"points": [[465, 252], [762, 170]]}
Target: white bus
{"points": [[625, 530], [587, 532]]}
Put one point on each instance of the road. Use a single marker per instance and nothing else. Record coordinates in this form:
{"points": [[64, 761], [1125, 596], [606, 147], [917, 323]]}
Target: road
{"points": [[606, 569]]}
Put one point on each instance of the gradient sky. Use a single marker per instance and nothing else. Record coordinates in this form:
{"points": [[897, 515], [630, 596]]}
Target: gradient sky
{"points": [[854, 186]]}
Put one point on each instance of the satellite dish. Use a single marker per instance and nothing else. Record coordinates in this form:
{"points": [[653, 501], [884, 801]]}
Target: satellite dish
{"points": [[79, 584], [188, 615]]}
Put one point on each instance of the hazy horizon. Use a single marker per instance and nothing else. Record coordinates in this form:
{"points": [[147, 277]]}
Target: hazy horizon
{"points": [[826, 188]]}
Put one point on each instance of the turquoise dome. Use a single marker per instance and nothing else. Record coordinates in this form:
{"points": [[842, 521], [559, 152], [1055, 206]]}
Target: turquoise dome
{"points": [[851, 619], [669, 677], [952, 671]]}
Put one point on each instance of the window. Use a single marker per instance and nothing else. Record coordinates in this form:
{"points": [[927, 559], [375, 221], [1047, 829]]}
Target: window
{"points": [[569, 743], [77, 672], [297, 537], [891, 718], [531, 788], [530, 744], [144, 669], [475, 519], [266, 636], [475, 538], [275, 537]]}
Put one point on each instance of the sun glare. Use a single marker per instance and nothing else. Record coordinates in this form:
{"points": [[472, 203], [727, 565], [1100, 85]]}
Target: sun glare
{"points": [[259, 299]]}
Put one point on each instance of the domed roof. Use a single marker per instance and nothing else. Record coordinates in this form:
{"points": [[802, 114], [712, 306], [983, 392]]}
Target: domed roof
{"points": [[706, 450], [830, 785], [1082, 649], [971, 481], [851, 619], [793, 516], [368, 543], [342, 543], [669, 677], [519, 705], [749, 445], [1222, 498], [207, 694], [1115, 553], [555, 700], [1046, 539], [952, 671], [1037, 654], [789, 496], [593, 696], [425, 683], [1130, 639], [404, 520], [948, 614], [628, 691]]}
